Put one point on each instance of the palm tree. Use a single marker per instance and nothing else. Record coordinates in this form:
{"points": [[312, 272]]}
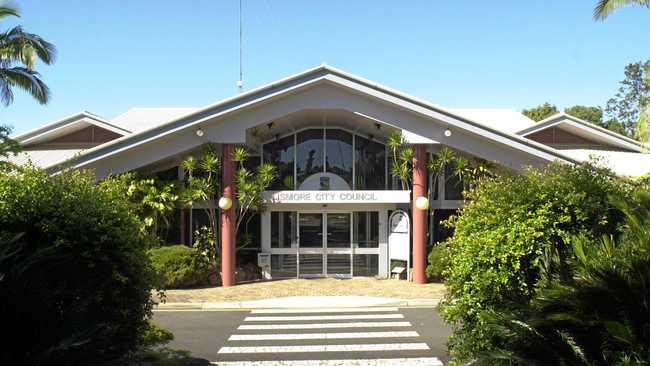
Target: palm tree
{"points": [[19, 52], [605, 8]]}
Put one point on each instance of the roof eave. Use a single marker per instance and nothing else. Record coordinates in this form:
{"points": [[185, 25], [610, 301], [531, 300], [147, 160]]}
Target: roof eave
{"points": [[25, 137], [561, 117]]}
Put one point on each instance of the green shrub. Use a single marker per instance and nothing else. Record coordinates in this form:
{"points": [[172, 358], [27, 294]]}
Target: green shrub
{"points": [[438, 262], [510, 223], [599, 317], [155, 335], [180, 266], [76, 282]]}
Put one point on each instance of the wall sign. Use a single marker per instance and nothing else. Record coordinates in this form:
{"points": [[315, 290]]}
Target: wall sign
{"points": [[337, 196]]}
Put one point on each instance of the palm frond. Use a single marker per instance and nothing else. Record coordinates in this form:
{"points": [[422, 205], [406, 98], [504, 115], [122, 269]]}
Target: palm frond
{"points": [[8, 11], [605, 8], [18, 45], [25, 79]]}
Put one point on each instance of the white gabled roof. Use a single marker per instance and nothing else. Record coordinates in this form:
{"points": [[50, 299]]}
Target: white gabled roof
{"points": [[629, 164], [66, 125], [43, 158], [585, 129], [307, 78], [504, 119], [140, 119]]}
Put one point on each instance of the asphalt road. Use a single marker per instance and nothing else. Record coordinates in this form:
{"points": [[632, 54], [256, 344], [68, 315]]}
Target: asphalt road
{"points": [[371, 336]]}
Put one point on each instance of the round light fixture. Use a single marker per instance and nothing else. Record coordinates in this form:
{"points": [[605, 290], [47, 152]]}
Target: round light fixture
{"points": [[447, 132], [422, 203], [225, 203], [199, 132]]}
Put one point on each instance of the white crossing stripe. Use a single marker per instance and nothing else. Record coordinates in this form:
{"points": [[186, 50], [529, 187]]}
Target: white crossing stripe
{"points": [[323, 310], [326, 325], [295, 336], [329, 348], [321, 317], [415, 361]]}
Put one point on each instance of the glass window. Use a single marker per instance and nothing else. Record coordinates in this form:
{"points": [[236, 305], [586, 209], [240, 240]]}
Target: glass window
{"points": [[394, 183], [338, 230], [339, 154], [366, 265], [311, 230], [366, 229], [311, 264], [281, 153], [453, 185], [338, 264], [284, 265], [370, 164], [283, 229], [309, 154]]}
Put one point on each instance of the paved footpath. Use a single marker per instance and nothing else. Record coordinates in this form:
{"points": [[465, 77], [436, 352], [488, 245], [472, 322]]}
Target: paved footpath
{"points": [[311, 336]]}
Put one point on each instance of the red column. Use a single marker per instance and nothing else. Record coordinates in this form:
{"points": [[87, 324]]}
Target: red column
{"points": [[419, 217], [228, 219]]}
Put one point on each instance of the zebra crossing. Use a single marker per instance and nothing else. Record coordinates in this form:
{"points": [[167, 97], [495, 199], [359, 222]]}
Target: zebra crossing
{"points": [[326, 337]]}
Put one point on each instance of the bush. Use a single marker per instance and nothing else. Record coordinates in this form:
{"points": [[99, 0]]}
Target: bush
{"points": [[438, 262], [599, 317], [179, 266], [76, 281], [155, 335], [510, 223]]}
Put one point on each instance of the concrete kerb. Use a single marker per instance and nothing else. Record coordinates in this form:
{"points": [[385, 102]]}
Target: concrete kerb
{"points": [[298, 303]]}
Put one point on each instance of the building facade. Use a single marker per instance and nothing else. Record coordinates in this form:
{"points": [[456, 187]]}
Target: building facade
{"points": [[327, 212]]}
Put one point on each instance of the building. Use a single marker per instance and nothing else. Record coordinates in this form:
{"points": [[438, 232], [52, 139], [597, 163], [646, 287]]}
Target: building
{"points": [[325, 130]]}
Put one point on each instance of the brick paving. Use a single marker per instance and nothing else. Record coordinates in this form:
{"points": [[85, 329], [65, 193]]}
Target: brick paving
{"points": [[309, 287]]}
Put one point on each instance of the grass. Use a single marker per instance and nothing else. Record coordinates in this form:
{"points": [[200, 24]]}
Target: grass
{"points": [[310, 287]]}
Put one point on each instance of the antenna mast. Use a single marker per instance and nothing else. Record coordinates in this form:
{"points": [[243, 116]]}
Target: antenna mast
{"points": [[240, 82]]}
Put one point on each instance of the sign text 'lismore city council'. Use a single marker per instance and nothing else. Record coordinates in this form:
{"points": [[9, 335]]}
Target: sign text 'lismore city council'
{"points": [[336, 196]]}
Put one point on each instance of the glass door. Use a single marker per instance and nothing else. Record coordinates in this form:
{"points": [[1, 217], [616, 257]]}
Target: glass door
{"points": [[339, 244], [311, 241]]}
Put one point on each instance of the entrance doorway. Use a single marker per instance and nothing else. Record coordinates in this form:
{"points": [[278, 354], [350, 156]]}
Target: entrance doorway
{"points": [[325, 244], [329, 243]]}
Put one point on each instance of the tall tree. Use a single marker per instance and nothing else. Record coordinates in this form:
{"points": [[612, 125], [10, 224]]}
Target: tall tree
{"points": [[590, 114], [643, 125], [632, 97], [605, 8], [540, 112]]}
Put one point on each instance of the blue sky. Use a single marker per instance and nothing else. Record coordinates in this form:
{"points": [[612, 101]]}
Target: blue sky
{"points": [[117, 54]]}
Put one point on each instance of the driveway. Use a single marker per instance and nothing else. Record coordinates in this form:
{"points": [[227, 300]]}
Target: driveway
{"points": [[325, 336]]}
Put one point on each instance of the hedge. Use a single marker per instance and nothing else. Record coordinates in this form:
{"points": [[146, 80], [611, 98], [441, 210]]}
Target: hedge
{"points": [[180, 266]]}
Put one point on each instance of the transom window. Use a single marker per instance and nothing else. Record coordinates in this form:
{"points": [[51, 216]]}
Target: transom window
{"points": [[327, 159]]}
